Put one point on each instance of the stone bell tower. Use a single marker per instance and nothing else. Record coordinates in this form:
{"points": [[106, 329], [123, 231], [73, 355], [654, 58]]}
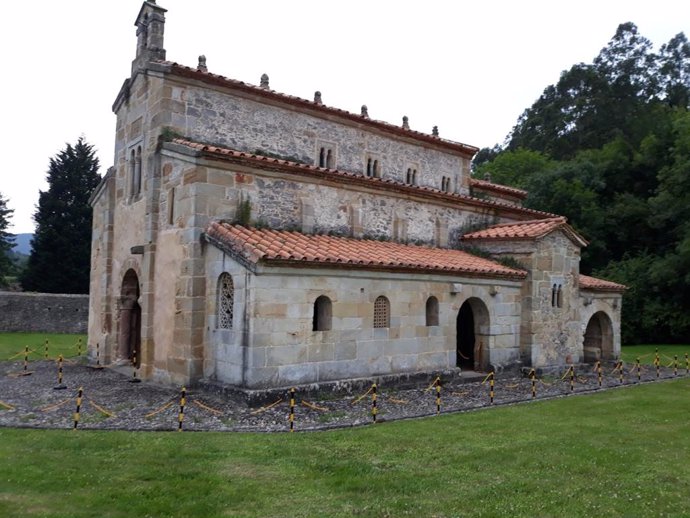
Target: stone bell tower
{"points": [[150, 24]]}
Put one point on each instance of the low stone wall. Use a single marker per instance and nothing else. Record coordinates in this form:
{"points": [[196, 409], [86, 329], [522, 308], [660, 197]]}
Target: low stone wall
{"points": [[43, 312]]}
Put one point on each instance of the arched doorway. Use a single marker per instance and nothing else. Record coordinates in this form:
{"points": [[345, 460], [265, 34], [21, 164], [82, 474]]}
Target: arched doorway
{"points": [[598, 344], [129, 341], [472, 336]]}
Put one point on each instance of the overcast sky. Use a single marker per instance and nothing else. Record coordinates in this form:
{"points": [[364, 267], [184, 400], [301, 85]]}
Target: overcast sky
{"points": [[469, 67]]}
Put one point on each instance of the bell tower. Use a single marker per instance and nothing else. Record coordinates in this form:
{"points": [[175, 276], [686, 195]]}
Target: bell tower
{"points": [[150, 24]]}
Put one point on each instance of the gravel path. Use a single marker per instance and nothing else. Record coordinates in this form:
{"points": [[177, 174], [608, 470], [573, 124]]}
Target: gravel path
{"points": [[32, 401]]}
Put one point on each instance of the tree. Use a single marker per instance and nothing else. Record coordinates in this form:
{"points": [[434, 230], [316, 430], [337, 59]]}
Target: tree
{"points": [[60, 259], [6, 242]]}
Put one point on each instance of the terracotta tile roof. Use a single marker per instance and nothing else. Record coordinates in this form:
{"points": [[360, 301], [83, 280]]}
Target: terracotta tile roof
{"points": [[207, 77], [594, 284], [349, 178], [496, 187], [279, 247], [533, 229]]}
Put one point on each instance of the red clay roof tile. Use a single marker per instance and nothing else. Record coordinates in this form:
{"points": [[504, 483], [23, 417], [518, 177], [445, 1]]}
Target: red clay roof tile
{"points": [[496, 187], [532, 229], [251, 244], [594, 284]]}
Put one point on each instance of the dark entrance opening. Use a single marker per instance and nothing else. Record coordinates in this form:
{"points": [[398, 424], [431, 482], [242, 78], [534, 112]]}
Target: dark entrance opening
{"points": [[129, 343], [465, 337]]}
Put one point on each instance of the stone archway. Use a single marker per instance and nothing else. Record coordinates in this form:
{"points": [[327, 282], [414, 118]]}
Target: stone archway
{"points": [[472, 335], [129, 338], [598, 344]]}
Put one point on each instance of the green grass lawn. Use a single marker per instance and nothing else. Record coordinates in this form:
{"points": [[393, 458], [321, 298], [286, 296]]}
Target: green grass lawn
{"points": [[617, 453], [13, 343], [646, 353]]}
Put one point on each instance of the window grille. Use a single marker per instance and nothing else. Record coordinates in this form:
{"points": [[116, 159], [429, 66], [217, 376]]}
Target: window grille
{"points": [[226, 299], [382, 312]]}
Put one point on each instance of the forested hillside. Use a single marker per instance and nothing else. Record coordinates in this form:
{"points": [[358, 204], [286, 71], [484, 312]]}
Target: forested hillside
{"points": [[608, 146]]}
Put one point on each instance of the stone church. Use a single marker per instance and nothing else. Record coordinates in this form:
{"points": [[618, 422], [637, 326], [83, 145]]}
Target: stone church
{"points": [[261, 240]]}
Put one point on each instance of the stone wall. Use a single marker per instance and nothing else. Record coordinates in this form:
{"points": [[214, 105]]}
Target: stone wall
{"points": [[43, 312], [272, 342]]}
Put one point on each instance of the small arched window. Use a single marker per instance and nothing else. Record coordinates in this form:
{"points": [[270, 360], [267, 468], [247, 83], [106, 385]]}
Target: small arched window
{"points": [[559, 297], [553, 296], [329, 159], [369, 167], [432, 311], [322, 157], [323, 314], [226, 301], [382, 312], [376, 172]]}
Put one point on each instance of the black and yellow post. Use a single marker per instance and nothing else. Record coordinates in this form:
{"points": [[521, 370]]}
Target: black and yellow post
{"points": [[374, 408], [292, 409], [620, 372], [687, 364], [572, 378], [80, 394], [491, 388], [98, 356], [533, 378], [26, 361], [438, 396], [60, 385], [639, 371], [183, 402], [675, 365], [657, 361], [79, 347], [599, 373], [45, 357]]}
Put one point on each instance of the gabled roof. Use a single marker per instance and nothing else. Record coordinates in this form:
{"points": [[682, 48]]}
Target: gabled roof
{"points": [[219, 80], [483, 185], [527, 230], [283, 248], [594, 284], [345, 177]]}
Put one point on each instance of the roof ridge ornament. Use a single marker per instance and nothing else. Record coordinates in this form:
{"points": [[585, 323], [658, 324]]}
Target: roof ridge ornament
{"points": [[365, 111], [406, 122], [201, 67], [264, 82]]}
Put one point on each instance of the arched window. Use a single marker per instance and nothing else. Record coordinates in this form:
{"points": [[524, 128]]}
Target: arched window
{"points": [[382, 312], [376, 169], [553, 296], [226, 299], [432, 311], [137, 172], [369, 169], [414, 177], [323, 311], [408, 177], [329, 159], [132, 168], [322, 157]]}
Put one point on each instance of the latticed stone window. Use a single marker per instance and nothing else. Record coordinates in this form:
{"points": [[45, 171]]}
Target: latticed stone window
{"points": [[226, 299], [382, 312]]}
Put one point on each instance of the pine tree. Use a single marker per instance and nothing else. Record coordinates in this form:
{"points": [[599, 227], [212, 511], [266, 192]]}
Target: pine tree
{"points": [[60, 259], [6, 242]]}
